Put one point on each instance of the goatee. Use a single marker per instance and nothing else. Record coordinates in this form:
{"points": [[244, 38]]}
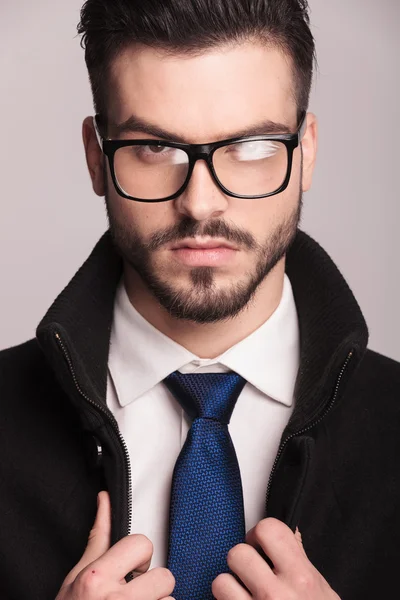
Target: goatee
{"points": [[203, 302]]}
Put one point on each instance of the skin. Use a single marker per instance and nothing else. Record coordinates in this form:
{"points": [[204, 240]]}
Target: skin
{"points": [[99, 575], [200, 99]]}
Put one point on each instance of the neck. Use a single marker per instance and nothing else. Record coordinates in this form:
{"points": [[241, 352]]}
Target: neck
{"points": [[211, 339]]}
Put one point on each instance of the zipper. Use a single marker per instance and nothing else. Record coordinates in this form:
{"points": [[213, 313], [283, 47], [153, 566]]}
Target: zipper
{"points": [[308, 427], [111, 420]]}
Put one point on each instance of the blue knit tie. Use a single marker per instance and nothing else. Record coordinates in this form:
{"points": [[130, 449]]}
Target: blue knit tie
{"points": [[206, 513]]}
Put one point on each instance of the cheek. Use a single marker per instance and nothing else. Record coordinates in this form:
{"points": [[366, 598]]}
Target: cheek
{"points": [[258, 218], [121, 209], [272, 212], [145, 219], [296, 176], [287, 201]]}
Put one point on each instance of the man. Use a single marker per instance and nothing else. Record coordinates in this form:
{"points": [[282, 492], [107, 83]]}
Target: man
{"points": [[205, 375]]}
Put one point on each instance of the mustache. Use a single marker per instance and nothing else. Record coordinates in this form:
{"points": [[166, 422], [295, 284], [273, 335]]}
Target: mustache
{"points": [[188, 228]]}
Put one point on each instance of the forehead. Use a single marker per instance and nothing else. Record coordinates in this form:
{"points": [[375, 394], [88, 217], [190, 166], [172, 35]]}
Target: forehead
{"points": [[206, 96]]}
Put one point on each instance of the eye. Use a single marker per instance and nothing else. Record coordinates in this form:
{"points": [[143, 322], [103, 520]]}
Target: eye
{"points": [[151, 149], [156, 154], [255, 149], [152, 152]]}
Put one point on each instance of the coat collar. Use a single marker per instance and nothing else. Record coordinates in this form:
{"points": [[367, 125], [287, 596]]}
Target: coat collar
{"points": [[330, 320]]}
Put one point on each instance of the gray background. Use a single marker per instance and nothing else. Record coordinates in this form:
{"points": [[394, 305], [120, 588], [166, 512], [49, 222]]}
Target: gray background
{"points": [[50, 218]]}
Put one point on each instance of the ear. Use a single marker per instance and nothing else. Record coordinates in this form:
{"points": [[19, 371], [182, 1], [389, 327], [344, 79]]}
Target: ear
{"points": [[94, 156], [309, 146]]}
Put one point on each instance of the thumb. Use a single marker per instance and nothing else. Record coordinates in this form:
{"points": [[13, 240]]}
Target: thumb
{"points": [[99, 537]]}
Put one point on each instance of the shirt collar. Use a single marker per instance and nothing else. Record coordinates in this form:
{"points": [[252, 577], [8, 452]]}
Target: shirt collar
{"points": [[141, 356], [74, 334]]}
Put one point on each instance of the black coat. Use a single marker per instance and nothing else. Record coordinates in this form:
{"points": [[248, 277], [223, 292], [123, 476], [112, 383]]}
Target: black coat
{"points": [[336, 475]]}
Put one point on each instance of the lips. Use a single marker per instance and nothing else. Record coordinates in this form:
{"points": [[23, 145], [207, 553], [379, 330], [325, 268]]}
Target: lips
{"points": [[203, 245], [205, 257]]}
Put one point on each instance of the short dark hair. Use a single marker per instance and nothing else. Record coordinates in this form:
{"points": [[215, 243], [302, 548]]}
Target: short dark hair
{"points": [[190, 28]]}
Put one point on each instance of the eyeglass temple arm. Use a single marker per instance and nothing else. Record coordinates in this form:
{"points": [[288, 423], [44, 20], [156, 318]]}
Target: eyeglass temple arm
{"points": [[99, 138], [303, 126]]}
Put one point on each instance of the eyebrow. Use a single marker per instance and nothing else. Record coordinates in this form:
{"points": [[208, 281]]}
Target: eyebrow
{"points": [[135, 124]]}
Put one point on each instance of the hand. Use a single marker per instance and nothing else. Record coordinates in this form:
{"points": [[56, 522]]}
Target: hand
{"points": [[100, 574], [292, 578]]}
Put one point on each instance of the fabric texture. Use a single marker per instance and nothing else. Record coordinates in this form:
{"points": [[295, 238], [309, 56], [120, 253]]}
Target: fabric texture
{"points": [[207, 513]]}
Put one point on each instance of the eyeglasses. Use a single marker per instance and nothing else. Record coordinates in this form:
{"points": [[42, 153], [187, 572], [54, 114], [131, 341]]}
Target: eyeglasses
{"points": [[147, 170]]}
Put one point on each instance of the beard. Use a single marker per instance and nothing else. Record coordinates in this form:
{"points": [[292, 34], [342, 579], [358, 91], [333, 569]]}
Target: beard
{"points": [[202, 301]]}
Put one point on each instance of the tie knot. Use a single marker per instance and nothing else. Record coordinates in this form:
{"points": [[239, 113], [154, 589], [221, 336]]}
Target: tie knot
{"points": [[206, 395]]}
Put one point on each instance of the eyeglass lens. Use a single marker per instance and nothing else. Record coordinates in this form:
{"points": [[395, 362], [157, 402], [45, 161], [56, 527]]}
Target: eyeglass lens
{"points": [[248, 168]]}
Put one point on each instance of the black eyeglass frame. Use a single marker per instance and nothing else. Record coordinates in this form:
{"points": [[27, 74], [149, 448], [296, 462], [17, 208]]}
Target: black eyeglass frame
{"points": [[205, 152]]}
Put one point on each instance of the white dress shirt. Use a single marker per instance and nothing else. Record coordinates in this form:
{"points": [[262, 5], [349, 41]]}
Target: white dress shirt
{"points": [[155, 426]]}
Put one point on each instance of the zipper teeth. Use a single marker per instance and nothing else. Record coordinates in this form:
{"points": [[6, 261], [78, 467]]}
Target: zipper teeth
{"points": [[112, 420], [114, 423], [310, 426]]}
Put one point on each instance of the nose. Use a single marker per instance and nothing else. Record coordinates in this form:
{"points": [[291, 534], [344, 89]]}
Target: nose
{"points": [[202, 199]]}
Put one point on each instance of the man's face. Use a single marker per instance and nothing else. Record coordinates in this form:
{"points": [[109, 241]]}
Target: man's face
{"points": [[205, 99]]}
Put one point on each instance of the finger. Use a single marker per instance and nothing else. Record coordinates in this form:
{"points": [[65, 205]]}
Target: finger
{"points": [[225, 587], [99, 537], [156, 583], [279, 544], [132, 553], [253, 571], [140, 569]]}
